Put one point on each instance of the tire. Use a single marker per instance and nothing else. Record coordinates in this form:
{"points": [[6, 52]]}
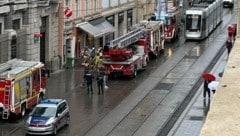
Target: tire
{"points": [[177, 36], [134, 73], [147, 60], [67, 121], [54, 131], [161, 51], [23, 110]]}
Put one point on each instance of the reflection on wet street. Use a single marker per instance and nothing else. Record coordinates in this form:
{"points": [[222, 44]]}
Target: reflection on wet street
{"points": [[87, 110]]}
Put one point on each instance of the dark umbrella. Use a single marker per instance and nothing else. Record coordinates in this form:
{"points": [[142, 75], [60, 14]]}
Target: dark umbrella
{"points": [[208, 76]]}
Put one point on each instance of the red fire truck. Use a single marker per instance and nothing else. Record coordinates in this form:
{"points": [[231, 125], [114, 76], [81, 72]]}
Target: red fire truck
{"points": [[22, 85], [172, 24], [128, 54]]}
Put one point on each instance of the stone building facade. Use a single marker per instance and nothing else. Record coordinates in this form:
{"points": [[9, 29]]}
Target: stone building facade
{"points": [[29, 31], [82, 29], [40, 31]]}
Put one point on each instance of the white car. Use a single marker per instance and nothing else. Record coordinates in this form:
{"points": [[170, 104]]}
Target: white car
{"points": [[48, 117], [228, 3]]}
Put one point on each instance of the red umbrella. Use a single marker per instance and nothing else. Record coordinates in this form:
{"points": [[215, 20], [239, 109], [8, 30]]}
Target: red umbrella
{"points": [[208, 76]]}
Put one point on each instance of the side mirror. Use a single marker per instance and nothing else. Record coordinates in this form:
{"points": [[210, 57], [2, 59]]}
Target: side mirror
{"points": [[30, 114], [58, 115]]}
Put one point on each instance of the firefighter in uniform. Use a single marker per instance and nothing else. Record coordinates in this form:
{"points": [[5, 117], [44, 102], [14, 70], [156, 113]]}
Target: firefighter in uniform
{"points": [[98, 62]]}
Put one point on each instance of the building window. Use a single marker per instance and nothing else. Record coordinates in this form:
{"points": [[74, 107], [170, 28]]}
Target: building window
{"points": [[14, 47], [120, 17], [77, 7], [87, 12], [67, 3], [129, 18], [16, 24], [95, 6]]}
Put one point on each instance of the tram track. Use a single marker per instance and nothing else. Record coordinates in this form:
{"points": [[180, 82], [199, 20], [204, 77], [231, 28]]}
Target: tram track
{"points": [[167, 126], [164, 131], [177, 113]]}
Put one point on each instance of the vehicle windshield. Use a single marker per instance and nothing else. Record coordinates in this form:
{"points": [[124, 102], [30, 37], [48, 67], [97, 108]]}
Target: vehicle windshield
{"points": [[169, 20], [44, 111], [193, 22]]}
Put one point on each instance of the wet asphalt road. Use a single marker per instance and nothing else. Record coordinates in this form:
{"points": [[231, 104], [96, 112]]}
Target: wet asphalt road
{"points": [[87, 110]]}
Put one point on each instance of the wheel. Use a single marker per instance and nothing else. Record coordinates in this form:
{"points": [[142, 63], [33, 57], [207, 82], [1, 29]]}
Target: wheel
{"points": [[177, 36], [67, 121], [134, 73], [161, 51], [23, 110], [147, 60], [55, 131]]}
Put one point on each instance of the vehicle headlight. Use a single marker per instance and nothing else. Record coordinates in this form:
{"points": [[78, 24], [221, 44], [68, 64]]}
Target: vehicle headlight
{"points": [[48, 125], [26, 124]]}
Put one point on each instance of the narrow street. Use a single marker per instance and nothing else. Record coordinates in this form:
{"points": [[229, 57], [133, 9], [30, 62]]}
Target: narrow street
{"points": [[146, 104]]}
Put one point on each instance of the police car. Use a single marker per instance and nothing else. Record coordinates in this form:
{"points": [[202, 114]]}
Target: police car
{"points": [[48, 117]]}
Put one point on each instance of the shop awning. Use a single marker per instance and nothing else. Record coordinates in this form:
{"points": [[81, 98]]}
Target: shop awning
{"points": [[97, 28]]}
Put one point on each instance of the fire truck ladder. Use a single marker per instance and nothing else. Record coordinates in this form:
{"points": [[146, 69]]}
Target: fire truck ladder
{"points": [[127, 39], [6, 102]]}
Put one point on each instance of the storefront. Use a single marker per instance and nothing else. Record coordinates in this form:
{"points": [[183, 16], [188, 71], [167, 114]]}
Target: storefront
{"points": [[96, 32]]}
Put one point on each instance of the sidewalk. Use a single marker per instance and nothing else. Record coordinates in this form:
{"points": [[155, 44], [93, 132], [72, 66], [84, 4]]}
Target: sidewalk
{"points": [[117, 123], [191, 121]]}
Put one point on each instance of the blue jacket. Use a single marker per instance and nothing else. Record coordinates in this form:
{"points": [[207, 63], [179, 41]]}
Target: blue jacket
{"points": [[99, 79], [88, 77]]}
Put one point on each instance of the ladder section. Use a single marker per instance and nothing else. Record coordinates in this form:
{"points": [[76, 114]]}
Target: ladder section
{"points": [[127, 39], [6, 102], [131, 39]]}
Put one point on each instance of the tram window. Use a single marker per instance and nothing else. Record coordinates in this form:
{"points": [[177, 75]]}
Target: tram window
{"points": [[193, 22], [204, 24]]}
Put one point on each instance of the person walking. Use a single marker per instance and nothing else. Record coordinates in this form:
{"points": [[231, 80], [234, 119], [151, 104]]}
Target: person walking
{"points": [[89, 77], [206, 89], [101, 70], [100, 83], [86, 69], [229, 46]]}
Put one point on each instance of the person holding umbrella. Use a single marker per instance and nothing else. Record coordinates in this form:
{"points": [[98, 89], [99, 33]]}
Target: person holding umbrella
{"points": [[213, 86], [206, 89], [208, 77]]}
